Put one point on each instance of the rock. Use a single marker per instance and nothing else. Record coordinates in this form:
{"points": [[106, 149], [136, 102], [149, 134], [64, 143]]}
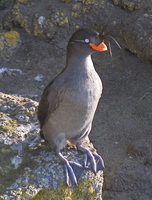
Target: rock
{"points": [[137, 38], [29, 169], [123, 121], [133, 27], [5, 4], [9, 44], [128, 5]]}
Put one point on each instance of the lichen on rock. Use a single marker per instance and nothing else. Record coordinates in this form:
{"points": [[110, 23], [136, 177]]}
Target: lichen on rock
{"points": [[128, 4], [9, 42]]}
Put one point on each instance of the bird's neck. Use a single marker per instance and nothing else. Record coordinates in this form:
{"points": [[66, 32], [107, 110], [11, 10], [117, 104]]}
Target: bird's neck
{"points": [[79, 62]]}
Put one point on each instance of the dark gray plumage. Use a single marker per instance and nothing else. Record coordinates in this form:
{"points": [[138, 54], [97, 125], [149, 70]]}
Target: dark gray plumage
{"points": [[69, 102]]}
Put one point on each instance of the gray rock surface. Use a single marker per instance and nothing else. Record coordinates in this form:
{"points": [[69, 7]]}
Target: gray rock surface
{"points": [[29, 170], [123, 122], [132, 21]]}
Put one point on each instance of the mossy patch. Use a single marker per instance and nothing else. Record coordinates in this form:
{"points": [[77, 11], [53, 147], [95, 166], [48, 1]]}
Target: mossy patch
{"points": [[23, 1], [87, 2], [10, 37], [9, 127], [83, 190], [8, 173]]}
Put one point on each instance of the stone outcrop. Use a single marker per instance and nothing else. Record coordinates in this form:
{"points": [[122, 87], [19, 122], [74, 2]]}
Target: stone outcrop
{"points": [[29, 170], [133, 24], [33, 39]]}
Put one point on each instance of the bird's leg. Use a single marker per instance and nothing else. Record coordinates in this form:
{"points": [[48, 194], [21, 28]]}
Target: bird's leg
{"points": [[73, 170], [92, 160]]}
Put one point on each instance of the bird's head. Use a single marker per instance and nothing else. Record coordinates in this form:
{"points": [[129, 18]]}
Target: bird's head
{"points": [[87, 41]]}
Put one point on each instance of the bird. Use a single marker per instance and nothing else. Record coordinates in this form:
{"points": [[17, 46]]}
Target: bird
{"points": [[68, 103]]}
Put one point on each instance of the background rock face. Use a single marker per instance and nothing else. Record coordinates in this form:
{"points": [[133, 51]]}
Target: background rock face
{"points": [[122, 130]]}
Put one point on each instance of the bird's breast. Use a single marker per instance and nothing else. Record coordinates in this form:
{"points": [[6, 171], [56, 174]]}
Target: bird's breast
{"points": [[79, 96]]}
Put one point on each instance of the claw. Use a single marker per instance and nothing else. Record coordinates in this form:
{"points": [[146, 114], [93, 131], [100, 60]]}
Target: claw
{"points": [[99, 162], [92, 160], [73, 171], [70, 176]]}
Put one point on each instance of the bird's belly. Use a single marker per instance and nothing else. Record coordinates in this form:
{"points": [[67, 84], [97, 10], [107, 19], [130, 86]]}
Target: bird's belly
{"points": [[76, 110]]}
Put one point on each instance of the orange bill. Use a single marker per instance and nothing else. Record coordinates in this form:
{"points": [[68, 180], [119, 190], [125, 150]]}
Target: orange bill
{"points": [[100, 47]]}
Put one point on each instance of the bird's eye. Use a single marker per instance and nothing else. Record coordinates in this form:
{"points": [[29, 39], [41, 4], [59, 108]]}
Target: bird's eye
{"points": [[86, 40]]}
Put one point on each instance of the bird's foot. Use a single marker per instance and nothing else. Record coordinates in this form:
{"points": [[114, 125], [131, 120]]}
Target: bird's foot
{"points": [[73, 170], [92, 160]]}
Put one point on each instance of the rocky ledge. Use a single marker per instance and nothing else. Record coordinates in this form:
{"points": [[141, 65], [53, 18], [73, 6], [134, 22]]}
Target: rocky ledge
{"points": [[29, 169]]}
